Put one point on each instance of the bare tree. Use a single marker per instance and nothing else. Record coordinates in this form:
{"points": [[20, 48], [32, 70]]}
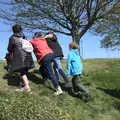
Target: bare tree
{"points": [[69, 17]]}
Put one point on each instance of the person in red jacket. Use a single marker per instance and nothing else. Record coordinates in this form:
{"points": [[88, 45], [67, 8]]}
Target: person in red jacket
{"points": [[53, 43], [45, 57]]}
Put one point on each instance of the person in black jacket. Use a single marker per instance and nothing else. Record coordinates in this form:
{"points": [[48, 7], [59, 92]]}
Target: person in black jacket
{"points": [[21, 61], [55, 46]]}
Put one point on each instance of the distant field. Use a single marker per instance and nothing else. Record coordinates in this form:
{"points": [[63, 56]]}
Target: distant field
{"points": [[101, 77]]}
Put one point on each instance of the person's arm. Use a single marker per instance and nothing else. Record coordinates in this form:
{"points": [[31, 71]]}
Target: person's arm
{"points": [[48, 36], [60, 50], [69, 64], [10, 45]]}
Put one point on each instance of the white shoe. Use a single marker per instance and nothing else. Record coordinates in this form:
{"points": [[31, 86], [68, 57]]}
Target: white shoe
{"points": [[58, 91], [23, 89]]}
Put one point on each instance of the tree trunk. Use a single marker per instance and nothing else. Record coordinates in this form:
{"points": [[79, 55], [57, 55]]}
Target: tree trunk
{"points": [[75, 36]]}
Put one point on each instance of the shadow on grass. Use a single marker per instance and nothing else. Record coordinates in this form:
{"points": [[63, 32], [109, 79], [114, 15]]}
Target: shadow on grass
{"points": [[12, 79], [113, 92], [116, 105], [36, 78], [79, 95]]}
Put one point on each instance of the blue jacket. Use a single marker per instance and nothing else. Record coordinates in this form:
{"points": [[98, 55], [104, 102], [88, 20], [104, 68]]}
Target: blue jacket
{"points": [[74, 64]]}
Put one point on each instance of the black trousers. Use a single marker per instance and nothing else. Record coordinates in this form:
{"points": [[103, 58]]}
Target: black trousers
{"points": [[77, 84]]}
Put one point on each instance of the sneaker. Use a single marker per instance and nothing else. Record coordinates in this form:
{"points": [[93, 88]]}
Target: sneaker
{"points": [[19, 89], [87, 97], [23, 89], [58, 91], [28, 89]]}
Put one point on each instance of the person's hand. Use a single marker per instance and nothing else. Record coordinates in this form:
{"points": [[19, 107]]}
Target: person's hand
{"points": [[48, 36]]}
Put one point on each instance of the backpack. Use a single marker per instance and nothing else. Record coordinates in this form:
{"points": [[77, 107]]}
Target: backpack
{"points": [[26, 45]]}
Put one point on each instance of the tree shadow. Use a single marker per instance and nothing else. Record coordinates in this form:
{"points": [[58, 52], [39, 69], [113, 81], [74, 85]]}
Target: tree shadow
{"points": [[13, 79], [113, 92]]}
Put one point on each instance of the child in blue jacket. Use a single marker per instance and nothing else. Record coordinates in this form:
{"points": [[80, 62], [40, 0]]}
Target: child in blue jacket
{"points": [[75, 69]]}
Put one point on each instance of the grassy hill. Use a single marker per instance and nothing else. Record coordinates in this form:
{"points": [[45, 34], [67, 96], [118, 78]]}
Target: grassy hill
{"points": [[101, 77]]}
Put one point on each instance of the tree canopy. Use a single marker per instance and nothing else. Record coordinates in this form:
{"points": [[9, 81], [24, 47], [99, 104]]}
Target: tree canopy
{"points": [[110, 28], [69, 17]]}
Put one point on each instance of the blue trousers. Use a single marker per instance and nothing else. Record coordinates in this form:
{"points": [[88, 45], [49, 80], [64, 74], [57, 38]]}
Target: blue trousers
{"points": [[46, 69], [58, 69]]}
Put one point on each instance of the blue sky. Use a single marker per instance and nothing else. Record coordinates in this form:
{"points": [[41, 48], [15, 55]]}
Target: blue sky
{"points": [[90, 44]]}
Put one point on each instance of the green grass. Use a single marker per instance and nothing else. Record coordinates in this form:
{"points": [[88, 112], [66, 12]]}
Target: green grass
{"points": [[101, 77]]}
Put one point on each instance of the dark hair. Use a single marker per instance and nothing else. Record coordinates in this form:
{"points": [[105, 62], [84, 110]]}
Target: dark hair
{"points": [[37, 34], [17, 28], [50, 32], [54, 38]]}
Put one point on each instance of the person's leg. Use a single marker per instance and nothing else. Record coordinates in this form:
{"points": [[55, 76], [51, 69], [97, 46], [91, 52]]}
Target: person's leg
{"points": [[58, 66], [77, 85], [52, 77], [25, 80], [79, 89], [49, 71], [56, 71], [42, 72]]}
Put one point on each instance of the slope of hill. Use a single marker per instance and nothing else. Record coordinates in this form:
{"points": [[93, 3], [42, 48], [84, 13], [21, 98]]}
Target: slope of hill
{"points": [[101, 77]]}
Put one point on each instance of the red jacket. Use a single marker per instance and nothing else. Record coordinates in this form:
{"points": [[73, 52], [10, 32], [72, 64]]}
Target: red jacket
{"points": [[41, 48]]}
